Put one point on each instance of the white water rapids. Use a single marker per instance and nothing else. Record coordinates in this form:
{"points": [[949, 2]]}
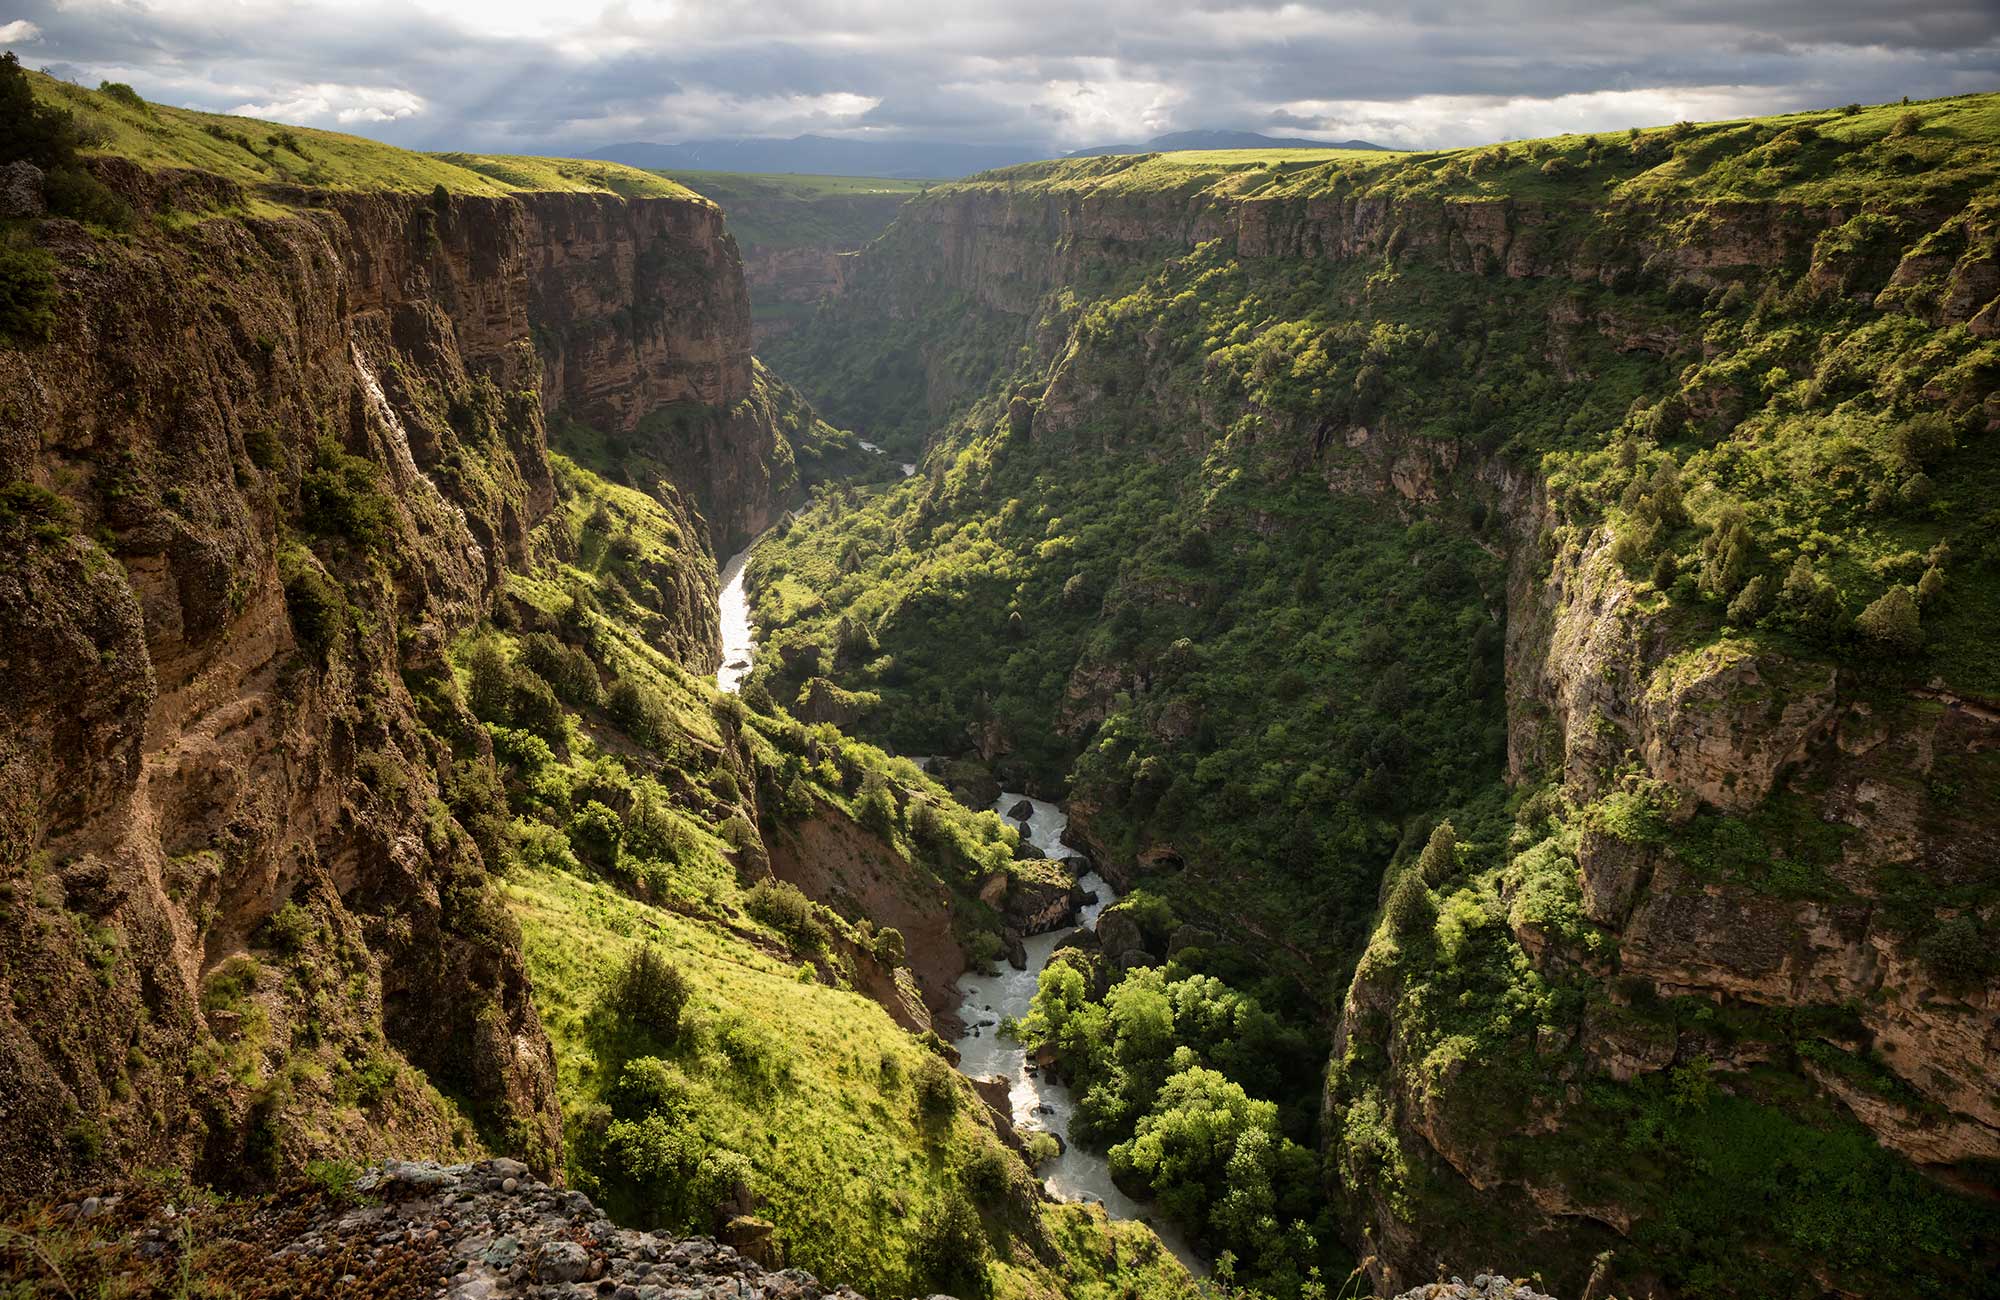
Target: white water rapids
{"points": [[739, 638], [1037, 1101]]}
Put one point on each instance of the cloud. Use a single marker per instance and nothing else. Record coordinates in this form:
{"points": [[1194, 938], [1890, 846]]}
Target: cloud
{"points": [[324, 103], [1044, 74], [19, 32]]}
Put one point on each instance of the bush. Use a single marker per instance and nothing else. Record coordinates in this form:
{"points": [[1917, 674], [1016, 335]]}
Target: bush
{"points": [[595, 832], [1411, 911], [315, 604], [648, 995], [489, 689], [123, 93], [651, 1086], [937, 1089], [889, 949], [780, 905], [27, 294], [1891, 624], [342, 497], [951, 1250], [566, 669], [1958, 954], [640, 712], [74, 192], [989, 1174]]}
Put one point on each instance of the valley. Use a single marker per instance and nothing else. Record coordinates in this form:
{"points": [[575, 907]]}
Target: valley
{"points": [[535, 667]]}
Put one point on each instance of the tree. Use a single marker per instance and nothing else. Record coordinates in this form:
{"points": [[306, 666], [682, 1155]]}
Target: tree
{"points": [[1411, 911], [951, 1249], [1440, 856], [489, 688], [648, 994], [1891, 623], [1726, 554]]}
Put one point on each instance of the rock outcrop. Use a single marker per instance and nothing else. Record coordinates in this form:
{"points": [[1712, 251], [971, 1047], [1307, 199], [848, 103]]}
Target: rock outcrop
{"points": [[262, 474], [479, 1231]]}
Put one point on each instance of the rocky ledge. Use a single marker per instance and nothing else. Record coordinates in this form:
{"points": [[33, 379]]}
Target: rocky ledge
{"points": [[400, 1231], [1484, 1286]]}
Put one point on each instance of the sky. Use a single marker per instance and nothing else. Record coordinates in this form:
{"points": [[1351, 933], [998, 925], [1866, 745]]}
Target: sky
{"points": [[1056, 74]]}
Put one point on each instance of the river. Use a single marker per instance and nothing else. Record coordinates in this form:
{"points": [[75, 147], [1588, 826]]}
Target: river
{"points": [[739, 639], [1039, 1102]]}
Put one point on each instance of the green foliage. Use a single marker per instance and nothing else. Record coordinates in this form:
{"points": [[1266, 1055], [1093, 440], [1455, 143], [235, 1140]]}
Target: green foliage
{"points": [[341, 496], [782, 906], [1891, 623], [317, 607], [27, 293], [648, 995], [952, 1251], [937, 1089]]}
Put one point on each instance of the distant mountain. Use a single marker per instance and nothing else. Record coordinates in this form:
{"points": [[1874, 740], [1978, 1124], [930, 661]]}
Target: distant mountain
{"points": [[818, 155], [1178, 140]]}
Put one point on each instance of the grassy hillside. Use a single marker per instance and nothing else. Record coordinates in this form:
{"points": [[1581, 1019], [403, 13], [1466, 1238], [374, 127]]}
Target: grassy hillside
{"points": [[772, 212], [633, 811], [1898, 154], [254, 152]]}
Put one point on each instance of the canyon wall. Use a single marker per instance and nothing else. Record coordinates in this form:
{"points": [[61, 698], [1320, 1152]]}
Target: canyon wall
{"points": [[1811, 960], [261, 475]]}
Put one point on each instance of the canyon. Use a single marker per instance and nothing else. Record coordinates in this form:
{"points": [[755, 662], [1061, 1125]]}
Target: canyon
{"points": [[1511, 625]]}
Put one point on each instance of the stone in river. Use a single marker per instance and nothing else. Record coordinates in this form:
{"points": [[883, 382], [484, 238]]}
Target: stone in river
{"points": [[1023, 810]]}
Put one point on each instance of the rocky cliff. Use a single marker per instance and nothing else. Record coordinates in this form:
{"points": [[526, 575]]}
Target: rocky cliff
{"points": [[262, 472], [1743, 900]]}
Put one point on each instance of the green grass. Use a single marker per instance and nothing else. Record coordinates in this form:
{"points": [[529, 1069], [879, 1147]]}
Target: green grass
{"points": [[840, 1155], [1819, 157], [157, 136], [788, 211]]}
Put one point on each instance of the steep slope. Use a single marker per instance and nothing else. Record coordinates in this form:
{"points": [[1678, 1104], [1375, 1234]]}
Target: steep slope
{"points": [[1620, 500], [798, 234], [277, 449], [368, 791]]}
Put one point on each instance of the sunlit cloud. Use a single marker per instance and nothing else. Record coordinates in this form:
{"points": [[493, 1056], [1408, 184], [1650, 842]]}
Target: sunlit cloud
{"points": [[528, 76]]}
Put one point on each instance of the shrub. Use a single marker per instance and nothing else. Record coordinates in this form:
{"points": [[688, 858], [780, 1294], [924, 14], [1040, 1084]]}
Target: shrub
{"points": [[1439, 859], [648, 995], [74, 192], [535, 708], [640, 712], [565, 668], [1958, 954], [951, 1250], [989, 1174], [1750, 603], [123, 93], [780, 905], [27, 294], [595, 832], [889, 949], [651, 1086], [342, 497], [937, 1089], [315, 604], [1891, 623], [489, 689], [1907, 125], [1411, 911]]}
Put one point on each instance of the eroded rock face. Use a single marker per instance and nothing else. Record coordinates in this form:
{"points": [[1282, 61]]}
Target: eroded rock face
{"points": [[208, 650]]}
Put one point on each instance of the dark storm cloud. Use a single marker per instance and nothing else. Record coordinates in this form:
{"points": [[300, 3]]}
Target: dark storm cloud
{"points": [[511, 74]]}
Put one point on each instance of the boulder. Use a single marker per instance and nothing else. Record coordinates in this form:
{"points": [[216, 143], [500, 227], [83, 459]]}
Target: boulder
{"points": [[754, 1239], [21, 190], [1022, 811]]}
